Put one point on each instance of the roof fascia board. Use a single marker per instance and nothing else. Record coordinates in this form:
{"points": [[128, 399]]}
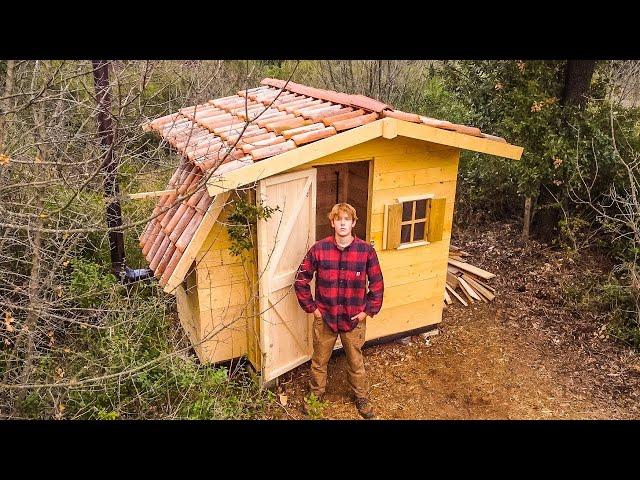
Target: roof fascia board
{"points": [[458, 140]]}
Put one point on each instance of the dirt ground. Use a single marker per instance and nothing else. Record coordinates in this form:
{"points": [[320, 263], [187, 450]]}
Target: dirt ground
{"points": [[527, 355]]}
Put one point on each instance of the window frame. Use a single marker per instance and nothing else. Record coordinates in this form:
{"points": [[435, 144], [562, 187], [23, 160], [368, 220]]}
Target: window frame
{"points": [[413, 243], [412, 222]]}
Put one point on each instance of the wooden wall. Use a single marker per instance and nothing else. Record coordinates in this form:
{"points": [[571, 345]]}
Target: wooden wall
{"points": [[414, 277], [222, 299]]}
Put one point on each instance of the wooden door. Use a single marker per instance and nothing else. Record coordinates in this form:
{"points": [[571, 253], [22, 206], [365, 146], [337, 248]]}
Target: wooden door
{"points": [[283, 241]]}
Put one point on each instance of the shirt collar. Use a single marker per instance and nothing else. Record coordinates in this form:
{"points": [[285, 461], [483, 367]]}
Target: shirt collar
{"points": [[333, 240]]}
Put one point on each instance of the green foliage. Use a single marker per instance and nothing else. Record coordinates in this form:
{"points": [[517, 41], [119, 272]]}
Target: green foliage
{"points": [[242, 223], [90, 283], [315, 407], [612, 300], [141, 366], [521, 101]]}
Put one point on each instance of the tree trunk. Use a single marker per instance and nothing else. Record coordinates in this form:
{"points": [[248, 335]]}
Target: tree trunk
{"points": [[578, 74], [110, 166], [5, 106], [577, 79]]}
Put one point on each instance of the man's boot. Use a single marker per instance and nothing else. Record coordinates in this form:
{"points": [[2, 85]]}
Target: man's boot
{"points": [[364, 407]]}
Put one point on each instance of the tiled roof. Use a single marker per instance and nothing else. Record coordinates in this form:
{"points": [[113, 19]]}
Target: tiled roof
{"points": [[282, 116]]}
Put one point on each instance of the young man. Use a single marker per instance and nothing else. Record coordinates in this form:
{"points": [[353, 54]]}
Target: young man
{"points": [[342, 303]]}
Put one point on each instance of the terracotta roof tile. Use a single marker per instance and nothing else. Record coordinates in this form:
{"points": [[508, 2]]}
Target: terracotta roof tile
{"points": [[282, 116], [494, 138], [265, 152], [166, 256], [171, 266], [308, 137], [189, 231], [354, 122], [474, 131], [331, 119], [247, 148], [407, 117], [307, 128], [286, 124], [182, 224], [156, 253]]}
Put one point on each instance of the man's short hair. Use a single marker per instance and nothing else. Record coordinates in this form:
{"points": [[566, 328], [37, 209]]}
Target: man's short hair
{"points": [[339, 208]]}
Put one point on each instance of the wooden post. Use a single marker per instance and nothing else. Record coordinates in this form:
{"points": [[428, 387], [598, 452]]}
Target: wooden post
{"points": [[109, 165], [527, 218]]}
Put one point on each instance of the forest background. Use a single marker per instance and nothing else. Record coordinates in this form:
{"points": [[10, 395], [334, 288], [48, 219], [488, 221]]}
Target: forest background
{"points": [[77, 343]]}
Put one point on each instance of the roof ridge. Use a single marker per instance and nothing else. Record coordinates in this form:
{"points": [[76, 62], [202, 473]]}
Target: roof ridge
{"points": [[358, 100]]}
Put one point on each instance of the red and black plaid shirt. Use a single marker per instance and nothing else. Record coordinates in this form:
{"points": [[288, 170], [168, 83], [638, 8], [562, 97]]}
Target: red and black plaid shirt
{"points": [[341, 291]]}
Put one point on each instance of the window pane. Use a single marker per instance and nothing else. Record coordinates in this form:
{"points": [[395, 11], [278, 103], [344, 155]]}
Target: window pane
{"points": [[421, 209], [405, 235], [418, 231], [407, 210]]}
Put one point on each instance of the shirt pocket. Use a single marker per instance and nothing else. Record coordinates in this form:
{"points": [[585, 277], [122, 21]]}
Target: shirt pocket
{"points": [[356, 277]]}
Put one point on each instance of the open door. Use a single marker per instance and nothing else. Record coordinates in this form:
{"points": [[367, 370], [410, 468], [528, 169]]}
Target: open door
{"points": [[283, 241]]}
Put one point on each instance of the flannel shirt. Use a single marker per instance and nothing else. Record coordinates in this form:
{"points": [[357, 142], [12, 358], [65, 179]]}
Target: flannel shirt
{"points": [[340, 291]]}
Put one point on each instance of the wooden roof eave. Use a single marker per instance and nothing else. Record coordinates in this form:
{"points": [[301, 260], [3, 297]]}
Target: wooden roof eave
{"points": [[385, 127]]}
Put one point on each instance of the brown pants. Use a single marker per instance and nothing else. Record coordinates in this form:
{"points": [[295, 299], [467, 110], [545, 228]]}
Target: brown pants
{"points": [[324, 339]]}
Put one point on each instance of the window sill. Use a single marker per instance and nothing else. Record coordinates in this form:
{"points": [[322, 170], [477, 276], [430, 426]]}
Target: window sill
{"points": [[402, 246]]}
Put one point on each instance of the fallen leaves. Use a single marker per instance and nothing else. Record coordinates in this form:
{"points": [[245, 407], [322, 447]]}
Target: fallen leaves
{"points": [[8, 321]]}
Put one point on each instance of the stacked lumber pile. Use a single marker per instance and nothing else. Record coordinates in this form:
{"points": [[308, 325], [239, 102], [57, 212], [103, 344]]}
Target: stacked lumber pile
{"points": [[465, 282]]}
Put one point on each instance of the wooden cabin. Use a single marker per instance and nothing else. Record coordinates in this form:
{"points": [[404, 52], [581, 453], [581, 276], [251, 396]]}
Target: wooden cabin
{"points": [[302, 150]]}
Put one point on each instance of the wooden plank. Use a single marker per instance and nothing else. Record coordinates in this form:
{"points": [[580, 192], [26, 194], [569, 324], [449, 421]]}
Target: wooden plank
{"points": [[483, 291], [414, 291], [467, 288], [436, 219], [404, 317], [472, 269], [344, 140], [447, 298], [466, 294], [394, 225], [142, 195], [488, 287], [413, 272], [452, 279], [453, 292]]}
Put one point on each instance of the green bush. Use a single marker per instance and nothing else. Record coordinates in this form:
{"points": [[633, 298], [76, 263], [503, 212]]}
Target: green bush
{"points": [[90, 283], [141, 366]]}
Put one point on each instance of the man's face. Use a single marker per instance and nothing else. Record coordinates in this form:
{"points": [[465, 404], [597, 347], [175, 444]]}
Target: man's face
{"points": [[343, 224]]}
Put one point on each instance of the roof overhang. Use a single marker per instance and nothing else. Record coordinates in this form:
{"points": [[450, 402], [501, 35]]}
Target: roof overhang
{"points": [[386, 128]]}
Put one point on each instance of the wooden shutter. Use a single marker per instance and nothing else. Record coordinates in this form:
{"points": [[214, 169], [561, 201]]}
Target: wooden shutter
{"points": [[435, 219], [394, 225]]}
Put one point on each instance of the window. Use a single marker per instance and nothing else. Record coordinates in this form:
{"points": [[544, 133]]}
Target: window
{"points": [[413, 221]]}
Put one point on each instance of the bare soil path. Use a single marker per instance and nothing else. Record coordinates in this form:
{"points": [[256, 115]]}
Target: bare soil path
{"points": [[527, 355]]}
